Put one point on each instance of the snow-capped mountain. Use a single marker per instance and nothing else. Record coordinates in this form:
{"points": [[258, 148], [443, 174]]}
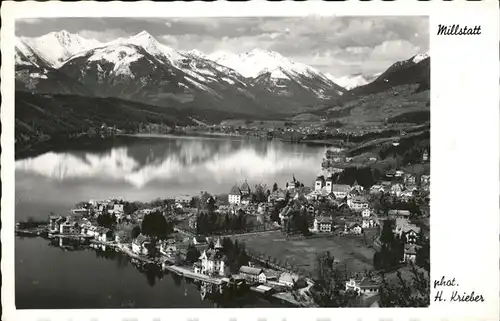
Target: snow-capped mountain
{"points": [[56, 47], [415, 70], [418, 58], [352, 81], [150, 44], [253, 63], [141, 68]]}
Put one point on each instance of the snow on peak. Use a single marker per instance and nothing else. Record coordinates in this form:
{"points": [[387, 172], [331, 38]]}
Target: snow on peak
{"points": [[145, 40], [196, 53], [352, 81], [257, 61], [57, 47], [121, 56], [418, 58]]}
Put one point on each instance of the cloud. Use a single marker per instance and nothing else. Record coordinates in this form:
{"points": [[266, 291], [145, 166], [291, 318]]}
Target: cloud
{"points": [[29, 20], [103, 36]]}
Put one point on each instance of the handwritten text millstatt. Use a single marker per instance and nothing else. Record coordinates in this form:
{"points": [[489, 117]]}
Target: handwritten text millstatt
{"points": [[457, 30]]}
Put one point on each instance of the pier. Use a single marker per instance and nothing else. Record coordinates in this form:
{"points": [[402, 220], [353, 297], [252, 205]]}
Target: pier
{"points": [[196, 276]]}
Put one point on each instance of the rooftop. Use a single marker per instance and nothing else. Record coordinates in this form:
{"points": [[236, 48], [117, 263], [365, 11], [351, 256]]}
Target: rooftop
{"points": [[250, 270]]}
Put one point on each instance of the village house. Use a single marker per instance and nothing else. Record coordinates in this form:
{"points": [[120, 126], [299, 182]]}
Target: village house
{"points": [[409, 179], [182, 201], [69, 227], [234, 196], [366, 213], [369, 223], [319, 183], [245, 189], [200, 239], [394, 214], [357, 203], [213, 262], [168, 249], [396, 189], [356, 188], [353, 228], [55, 222], [398, 173], [265, 290], [268, 276], [193, 222], [251, 274], [425, 179], [376, 189], [323, 224], [362, 286], [288, 279], [105, 235], [410, 253], [425, 156], [141, 245], [340, 191]]}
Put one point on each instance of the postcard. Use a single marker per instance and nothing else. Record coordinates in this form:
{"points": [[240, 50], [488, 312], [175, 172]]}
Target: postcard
{"points": [[257, 160]]}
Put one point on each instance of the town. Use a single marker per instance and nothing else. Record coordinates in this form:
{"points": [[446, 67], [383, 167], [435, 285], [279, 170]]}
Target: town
{"points": [[332, 242]]}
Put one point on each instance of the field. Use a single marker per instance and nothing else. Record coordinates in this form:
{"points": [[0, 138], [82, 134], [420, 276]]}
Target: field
{"points": [[351, 252]]}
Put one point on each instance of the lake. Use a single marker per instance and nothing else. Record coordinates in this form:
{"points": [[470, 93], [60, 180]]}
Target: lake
{"points": [[135, 168]]}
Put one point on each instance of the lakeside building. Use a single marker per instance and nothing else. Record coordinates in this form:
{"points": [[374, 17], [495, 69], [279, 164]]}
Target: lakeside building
{"points": [[252, 274], [213, 262], [141, 245]]}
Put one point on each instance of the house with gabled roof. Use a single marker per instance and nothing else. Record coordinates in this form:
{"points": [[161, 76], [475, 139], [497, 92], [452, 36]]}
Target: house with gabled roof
{"points": [[235, 195], [319, 183], [353, 228], [250, 274], [323, 224], [357, 203], [245, 189], [213, 262], [410, 253], [340, 190]]}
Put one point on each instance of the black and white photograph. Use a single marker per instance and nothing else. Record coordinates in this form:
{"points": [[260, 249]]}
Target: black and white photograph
{"points": [[222, 162]]}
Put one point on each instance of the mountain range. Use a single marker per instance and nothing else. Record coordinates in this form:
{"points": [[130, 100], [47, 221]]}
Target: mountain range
{"points": [[141, 69]]}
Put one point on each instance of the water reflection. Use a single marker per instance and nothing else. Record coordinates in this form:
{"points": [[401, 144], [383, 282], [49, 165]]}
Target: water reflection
{"points": [[166, 159], [87, 281]]}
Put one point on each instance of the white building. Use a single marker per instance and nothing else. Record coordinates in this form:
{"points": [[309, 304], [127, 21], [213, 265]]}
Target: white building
{"points": [[340, 191], [213, 262], [235, 195], [319, 183]]}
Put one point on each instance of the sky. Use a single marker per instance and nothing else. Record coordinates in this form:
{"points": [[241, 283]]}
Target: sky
{"points": [[340, 46]]}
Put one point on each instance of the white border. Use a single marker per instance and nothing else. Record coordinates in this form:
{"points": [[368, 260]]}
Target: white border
{"points": [[465, 144]]}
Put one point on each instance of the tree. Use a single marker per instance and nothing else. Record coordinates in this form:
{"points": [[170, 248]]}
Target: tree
{"points": [[195, 202], [406, 293], [328, 283], [275, 187], [106, 220], [156, 226], [259, 194], [192, 254], [136, 231]]}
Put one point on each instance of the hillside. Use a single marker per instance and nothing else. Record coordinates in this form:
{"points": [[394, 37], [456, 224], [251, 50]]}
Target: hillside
{"points": [[401, 94], [42, 117]]}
